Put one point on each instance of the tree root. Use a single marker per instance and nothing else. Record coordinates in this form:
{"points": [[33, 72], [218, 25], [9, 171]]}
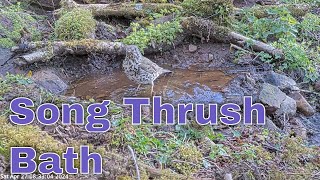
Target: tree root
{"points": [[118, 9], [209, 30]]}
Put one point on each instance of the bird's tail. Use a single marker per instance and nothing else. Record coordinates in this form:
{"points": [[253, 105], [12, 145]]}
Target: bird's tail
{"points": [[165, 71]]}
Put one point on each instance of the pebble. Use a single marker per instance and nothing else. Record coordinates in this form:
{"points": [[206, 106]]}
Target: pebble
{"points": [[192, 48]]}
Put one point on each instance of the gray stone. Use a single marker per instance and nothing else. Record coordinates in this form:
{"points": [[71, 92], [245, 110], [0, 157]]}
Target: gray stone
{"points": [[210, 57], [272, 96], [6, 64], [192, 48], [50, 81], [287, 107], [298, 128], [317, 86], [281, 81], [106, 32], [271, 126]]}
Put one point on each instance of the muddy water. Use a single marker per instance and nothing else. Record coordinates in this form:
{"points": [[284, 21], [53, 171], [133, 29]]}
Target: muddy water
{"points": [[182, 86]]}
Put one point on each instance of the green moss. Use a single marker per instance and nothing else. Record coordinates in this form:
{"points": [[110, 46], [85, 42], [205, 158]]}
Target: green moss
{"points": [[13, 20], [220, 11], [26, 136], [153, 34], [189, 160], [75, 25]]}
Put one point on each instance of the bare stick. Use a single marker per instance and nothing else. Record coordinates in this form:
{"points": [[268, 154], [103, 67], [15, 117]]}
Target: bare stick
{"points": [[135, 161]]}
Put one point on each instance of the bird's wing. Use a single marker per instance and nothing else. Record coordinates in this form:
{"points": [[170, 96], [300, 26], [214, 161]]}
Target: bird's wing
{"points": [[149, 66]]}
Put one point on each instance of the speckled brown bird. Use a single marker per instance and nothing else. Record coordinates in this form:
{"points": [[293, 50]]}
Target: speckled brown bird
{"points": [[141, 69]]}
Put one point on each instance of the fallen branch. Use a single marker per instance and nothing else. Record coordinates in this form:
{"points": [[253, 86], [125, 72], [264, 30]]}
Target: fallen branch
{"points": [[209, 30], [44, 51], [118, 9]]}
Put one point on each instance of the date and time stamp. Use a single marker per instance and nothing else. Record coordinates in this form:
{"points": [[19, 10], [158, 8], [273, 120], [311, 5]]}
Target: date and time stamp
{"points": [[34, 176]]}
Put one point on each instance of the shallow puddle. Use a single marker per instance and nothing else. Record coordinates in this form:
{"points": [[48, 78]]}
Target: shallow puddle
{"points": [[182, 86]]}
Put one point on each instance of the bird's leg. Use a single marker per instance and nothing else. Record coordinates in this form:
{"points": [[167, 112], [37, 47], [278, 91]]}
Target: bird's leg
{"points": [[137, 89], [152, 89]]}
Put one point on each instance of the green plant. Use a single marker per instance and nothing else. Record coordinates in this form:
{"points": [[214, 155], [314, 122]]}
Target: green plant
{"points": [[310, 28], [153, 34], [13, 20], [280, 23], [296, 57], [281, 28], [218, 10], [218, 150], [75, 25]]}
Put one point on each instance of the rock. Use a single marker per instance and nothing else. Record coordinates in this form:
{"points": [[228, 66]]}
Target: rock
{"points": [[272, 96], [210, 57], [281, 81], [193, 48], [271, 126], [302, 104], [317, 86], [6, 66], [105, 31], [50, 81], [287, 107], [3, 105], [298, 128], [245, 59]]}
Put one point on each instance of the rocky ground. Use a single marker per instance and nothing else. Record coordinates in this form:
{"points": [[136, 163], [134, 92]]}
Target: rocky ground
{"points": [[287, 147]]}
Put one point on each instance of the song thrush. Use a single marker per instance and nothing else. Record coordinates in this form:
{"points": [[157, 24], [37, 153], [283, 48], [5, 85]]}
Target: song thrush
{"points": [[141, 69]]}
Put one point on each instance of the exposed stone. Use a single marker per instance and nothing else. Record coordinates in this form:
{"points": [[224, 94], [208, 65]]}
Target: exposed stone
{"points": [[50, 81], [288, 107], [210, 57], [6, 66], [317, 86], [105, 31], [281, 81], [272, 96], [302, 104], [298, 128], [193, 48], [271, 126], [245, 60]]}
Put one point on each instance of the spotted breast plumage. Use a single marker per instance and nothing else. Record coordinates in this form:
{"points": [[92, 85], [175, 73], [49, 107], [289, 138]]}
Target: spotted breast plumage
{"points": [[141, 69]]}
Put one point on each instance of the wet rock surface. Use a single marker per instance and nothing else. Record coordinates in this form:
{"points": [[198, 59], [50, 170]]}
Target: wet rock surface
{"points": [[50, 81]]}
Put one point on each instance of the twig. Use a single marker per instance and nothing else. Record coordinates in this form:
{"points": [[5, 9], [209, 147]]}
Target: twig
{"points": [[135, 161], [311, 92]]}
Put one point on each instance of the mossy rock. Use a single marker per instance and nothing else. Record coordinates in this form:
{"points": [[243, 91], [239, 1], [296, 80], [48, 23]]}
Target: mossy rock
{"points": [[26, 136], [220, 11], [75, 25], [189, 160], [12, 21]]}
